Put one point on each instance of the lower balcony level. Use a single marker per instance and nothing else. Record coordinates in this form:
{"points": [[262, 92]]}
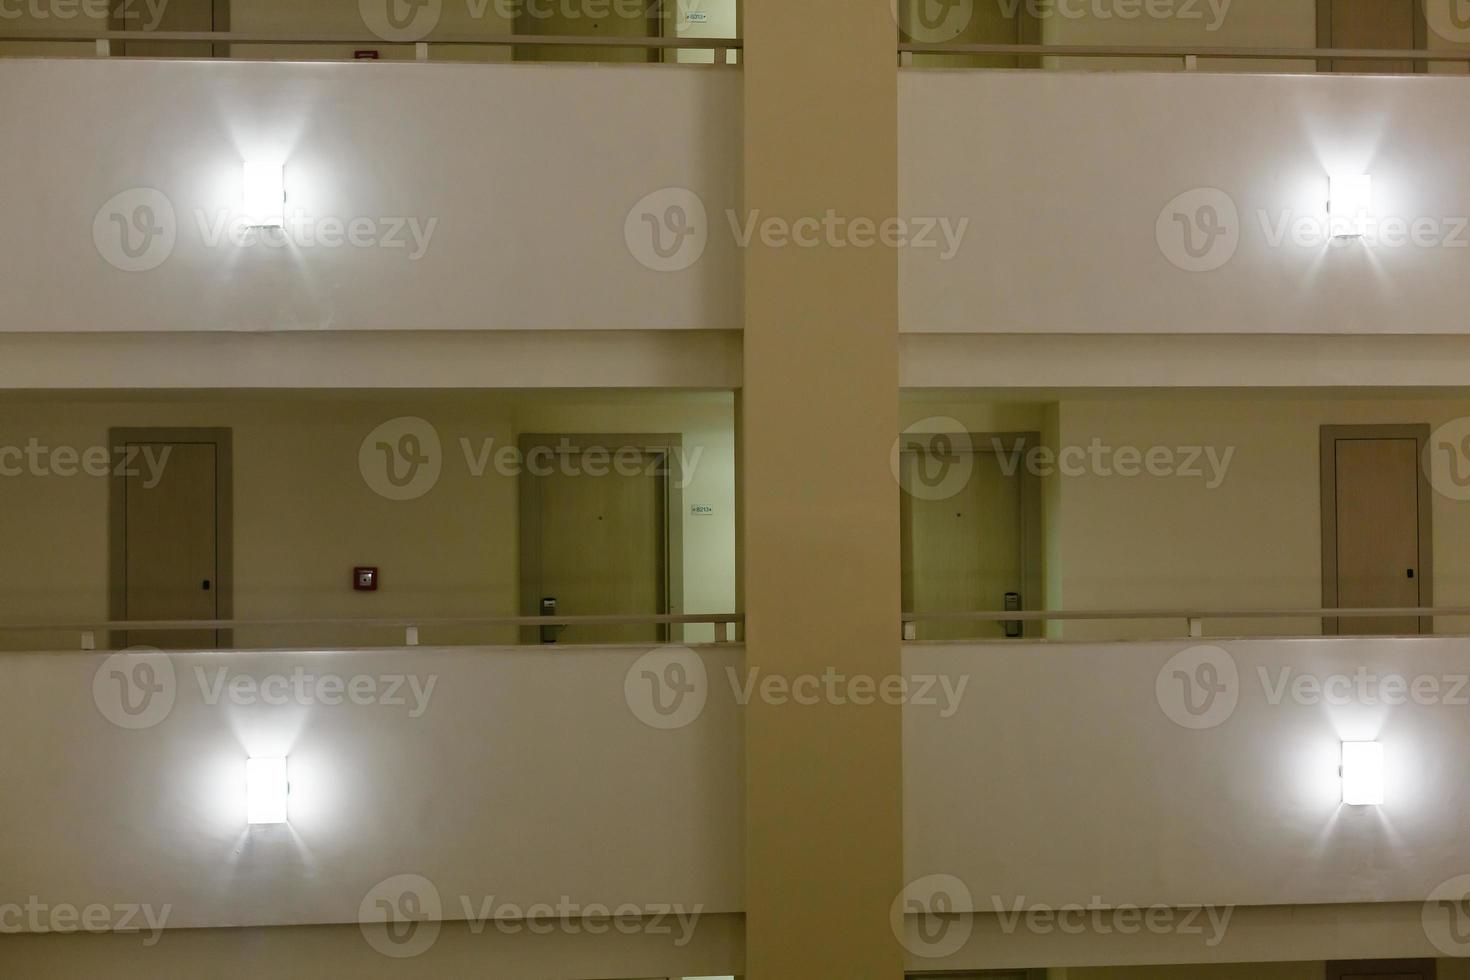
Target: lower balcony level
{"points": [[494, 638]]}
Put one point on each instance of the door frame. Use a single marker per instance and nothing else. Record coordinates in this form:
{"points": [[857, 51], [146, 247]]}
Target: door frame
{"points": [[224, 519], [528, 506], [1337, 969], [1032, 548], [1329, 437], [1324, 34]]}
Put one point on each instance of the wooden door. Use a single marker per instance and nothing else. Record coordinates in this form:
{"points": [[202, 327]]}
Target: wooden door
{"points": [[966, 547], [1376, 534], [599, 545], [171, 544], [1371, 24]]}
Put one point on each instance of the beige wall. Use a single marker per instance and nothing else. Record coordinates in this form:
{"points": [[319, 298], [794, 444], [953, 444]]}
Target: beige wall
{"points": [[1244, 23], [1254, 542], [304, 515], [1448, 970], [819, 529], [457, 17], [20, 17], [1212, 23]]}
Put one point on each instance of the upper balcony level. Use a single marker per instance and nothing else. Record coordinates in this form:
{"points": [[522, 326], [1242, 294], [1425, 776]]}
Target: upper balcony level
{"points": [[438, 194]]}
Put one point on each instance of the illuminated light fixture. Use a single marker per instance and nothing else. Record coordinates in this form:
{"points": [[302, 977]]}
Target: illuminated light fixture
{"points": [[266, 791], [1350, 205], [1362, 773], [264, 202]]}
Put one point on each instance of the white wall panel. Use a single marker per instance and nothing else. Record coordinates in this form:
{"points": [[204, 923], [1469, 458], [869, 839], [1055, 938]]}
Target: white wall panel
{"points": [[1061, 779], [528, 779], [1072, 180], [526, 175]]}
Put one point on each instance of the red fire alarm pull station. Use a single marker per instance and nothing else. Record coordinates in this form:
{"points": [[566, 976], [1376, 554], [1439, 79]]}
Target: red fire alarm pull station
{"points": [[365, 578]]}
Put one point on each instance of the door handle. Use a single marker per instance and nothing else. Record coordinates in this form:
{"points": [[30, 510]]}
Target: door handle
{"points": [[206, 585]]}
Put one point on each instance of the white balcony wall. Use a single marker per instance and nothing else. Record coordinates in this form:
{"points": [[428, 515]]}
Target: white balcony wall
{"points": [[526, 174], [529, 213], [1072, 182], [1101, 798], [524, 776], [562, 791]]}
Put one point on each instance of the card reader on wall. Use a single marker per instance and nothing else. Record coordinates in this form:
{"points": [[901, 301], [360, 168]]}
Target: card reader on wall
{"points": [[1013, 626], [548, 608]]}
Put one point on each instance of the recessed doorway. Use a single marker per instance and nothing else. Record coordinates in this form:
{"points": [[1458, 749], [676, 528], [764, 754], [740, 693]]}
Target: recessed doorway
{"points": [[971, 531], [170, 535], [601, 534], [1377, 527]]}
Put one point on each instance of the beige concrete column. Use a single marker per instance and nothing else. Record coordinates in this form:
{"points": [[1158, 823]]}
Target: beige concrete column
{"points": [[819, 416]]}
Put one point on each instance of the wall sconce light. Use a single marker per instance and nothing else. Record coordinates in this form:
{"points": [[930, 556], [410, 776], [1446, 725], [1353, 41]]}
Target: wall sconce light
{"points": [[264, 201], [1350, 204], [266, 791], [1362, 773]]}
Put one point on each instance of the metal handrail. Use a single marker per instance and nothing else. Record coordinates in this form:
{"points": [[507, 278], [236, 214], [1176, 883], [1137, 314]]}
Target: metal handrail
{"points": [[88, 630], [1193, 618], [1060, 615], [1188, 53], [225, 624], [366, 38]]}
